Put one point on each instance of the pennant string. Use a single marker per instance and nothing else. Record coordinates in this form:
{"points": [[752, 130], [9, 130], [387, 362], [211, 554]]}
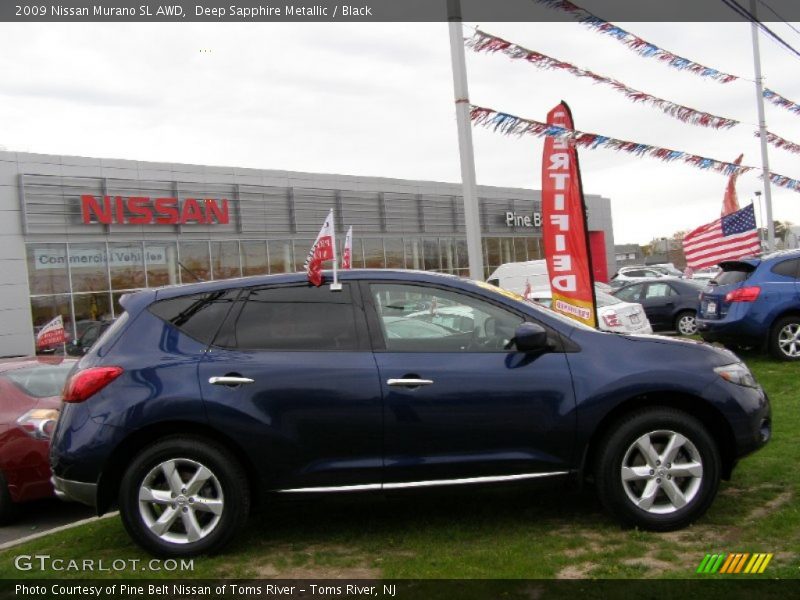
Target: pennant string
{"points": [[635, 43], [512, 125], [779, 142], [489, 43]]}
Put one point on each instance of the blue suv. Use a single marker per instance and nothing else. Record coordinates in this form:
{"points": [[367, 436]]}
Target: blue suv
{"points": [[202, 400], [755, 302]]}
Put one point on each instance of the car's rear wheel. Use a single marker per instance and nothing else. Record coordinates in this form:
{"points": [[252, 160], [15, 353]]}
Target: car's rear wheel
{"points": [[184, 496], [784, 339], [658, 469], [686, 322]]}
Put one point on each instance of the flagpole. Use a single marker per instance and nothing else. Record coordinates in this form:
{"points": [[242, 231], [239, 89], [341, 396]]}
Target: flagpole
{"points": [[335, 286], [762, 129]]}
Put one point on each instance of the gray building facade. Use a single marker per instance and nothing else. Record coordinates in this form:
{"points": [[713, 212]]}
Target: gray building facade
{"points": [[77, 233]]}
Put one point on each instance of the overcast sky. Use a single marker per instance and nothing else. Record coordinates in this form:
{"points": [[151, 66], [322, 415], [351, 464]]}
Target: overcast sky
{"points": [[377, 99]]}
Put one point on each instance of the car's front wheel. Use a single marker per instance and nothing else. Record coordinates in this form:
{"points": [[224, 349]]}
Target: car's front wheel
{"points": [[784, 339], [686, 322], [184, 496], [658, 469]]}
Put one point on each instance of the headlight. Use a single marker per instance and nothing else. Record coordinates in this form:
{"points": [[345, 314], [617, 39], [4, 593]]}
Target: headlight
{"points": [[737, 373]]}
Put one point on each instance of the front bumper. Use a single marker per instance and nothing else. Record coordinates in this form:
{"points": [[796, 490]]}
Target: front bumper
{"points": [[79, 491]]}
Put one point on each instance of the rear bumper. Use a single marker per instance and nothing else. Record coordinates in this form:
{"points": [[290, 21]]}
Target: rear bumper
{"points": [[78, 491]]}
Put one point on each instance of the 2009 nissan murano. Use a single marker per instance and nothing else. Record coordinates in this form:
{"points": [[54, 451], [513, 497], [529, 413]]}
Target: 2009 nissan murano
{"points": [[201, 398]]}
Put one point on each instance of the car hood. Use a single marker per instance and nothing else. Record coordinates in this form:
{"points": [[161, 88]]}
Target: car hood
{"points": [[724, 355]]}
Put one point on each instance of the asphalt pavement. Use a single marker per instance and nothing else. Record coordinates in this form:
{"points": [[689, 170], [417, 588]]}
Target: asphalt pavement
{"points": [[43, 515]]}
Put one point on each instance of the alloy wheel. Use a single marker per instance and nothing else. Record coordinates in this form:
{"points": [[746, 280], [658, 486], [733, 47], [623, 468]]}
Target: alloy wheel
{"points": [[789, 340], [181, 501], [687, 325], [661, 472]]}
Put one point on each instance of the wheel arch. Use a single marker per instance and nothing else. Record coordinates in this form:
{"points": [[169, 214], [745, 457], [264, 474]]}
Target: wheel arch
{"points": [[695, 406], [114, 469]]}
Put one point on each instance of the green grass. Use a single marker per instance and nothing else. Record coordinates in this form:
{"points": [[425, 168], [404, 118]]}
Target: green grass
{"points": [[509, 533]]}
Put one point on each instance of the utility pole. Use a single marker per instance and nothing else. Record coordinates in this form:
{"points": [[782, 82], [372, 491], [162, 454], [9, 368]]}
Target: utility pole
{"points": [[762, 129], [471, 213]]}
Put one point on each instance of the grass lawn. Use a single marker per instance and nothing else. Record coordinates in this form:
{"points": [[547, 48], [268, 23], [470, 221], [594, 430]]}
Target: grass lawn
{"points": [[494, 533]]}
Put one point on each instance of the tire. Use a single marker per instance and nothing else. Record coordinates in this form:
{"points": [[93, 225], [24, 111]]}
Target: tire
{"points": [[8, 508], [686, 322], [653, 495], [784, 338], [166, 520]]}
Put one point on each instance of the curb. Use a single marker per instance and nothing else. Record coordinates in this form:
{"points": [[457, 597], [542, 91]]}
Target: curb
{"points": [[41, 534]]}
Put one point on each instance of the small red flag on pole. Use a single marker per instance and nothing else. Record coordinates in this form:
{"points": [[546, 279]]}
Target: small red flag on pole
{"points": [[323, 249], [347, 253]]}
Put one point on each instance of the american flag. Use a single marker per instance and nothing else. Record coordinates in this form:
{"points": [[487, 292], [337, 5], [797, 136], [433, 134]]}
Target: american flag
{"points": [[728, 238]]}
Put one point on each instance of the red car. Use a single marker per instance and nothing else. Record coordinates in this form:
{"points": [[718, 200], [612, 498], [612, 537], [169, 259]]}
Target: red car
{"points": [[30, 397]]}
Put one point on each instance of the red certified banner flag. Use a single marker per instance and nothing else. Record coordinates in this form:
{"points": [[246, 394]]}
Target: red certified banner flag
{"points": [[347, 253], [728, 238], [564, 231], [52, 333], [730, 203], [322, 250]]}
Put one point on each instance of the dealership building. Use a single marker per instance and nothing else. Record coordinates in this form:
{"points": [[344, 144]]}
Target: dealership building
{"points": [[77, 233]]}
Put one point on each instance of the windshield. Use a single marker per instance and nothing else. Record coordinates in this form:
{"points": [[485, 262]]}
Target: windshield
{"points": [[41, 381]]}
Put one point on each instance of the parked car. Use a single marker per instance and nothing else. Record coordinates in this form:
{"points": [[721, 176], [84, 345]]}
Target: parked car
{"points": [[667, 269], [515, 277], [755, 302], [613, 314], [705, 275], [30, 390], [635, 273], [670, 304], [200, 398]]}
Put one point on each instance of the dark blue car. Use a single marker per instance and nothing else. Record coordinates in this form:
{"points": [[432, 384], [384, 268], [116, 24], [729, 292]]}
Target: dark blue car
{"points": [[755, 302], [202, 398]]}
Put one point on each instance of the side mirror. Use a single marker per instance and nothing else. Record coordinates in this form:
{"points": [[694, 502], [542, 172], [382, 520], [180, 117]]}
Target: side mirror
{"points": [[530, 337]]}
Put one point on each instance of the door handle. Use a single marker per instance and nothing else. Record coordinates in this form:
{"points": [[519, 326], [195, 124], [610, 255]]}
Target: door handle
{"points": [[410, 382], [230, 380]]}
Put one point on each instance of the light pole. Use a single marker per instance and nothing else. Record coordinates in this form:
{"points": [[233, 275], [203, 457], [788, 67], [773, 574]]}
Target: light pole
{"points": [[471, 215]]}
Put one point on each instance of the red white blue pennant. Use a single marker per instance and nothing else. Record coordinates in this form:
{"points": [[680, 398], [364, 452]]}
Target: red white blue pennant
{"points": [[513, 125], [488, 43]]}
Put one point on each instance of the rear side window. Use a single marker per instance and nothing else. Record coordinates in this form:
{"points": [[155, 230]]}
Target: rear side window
{"points": [[295, 318], [199, 316], [788, 268]]}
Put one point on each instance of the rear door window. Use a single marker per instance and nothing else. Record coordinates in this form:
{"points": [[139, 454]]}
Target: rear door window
{"points": [[298, 318], [788, 268]]}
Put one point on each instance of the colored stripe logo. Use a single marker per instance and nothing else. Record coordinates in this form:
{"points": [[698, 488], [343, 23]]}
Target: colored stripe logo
{"points": [[732, 564]]}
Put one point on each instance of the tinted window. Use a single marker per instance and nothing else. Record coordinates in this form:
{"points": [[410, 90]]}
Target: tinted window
{"points": [[604, 299], [736, 275], [198, 315], [658, 290], [422, 319], [789, 268], [296, 318]]}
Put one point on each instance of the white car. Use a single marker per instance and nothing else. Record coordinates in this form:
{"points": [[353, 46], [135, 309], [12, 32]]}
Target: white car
{"points": [[706, 274], [613, 314], [628, 274]]}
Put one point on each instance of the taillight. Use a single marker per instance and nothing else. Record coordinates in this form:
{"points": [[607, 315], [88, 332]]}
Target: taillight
{"points": [[612, 320], [84, 384], [745, 294], [39, 423]]}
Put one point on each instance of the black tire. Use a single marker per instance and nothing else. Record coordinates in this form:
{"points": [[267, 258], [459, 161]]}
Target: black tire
{"points": [[618, 449], [8, 508], [226, 491], [781, 345], [686, 322]]}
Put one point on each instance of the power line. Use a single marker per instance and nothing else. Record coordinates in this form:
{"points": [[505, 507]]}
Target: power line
{"points": [[772, 10], [743, 12]]}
